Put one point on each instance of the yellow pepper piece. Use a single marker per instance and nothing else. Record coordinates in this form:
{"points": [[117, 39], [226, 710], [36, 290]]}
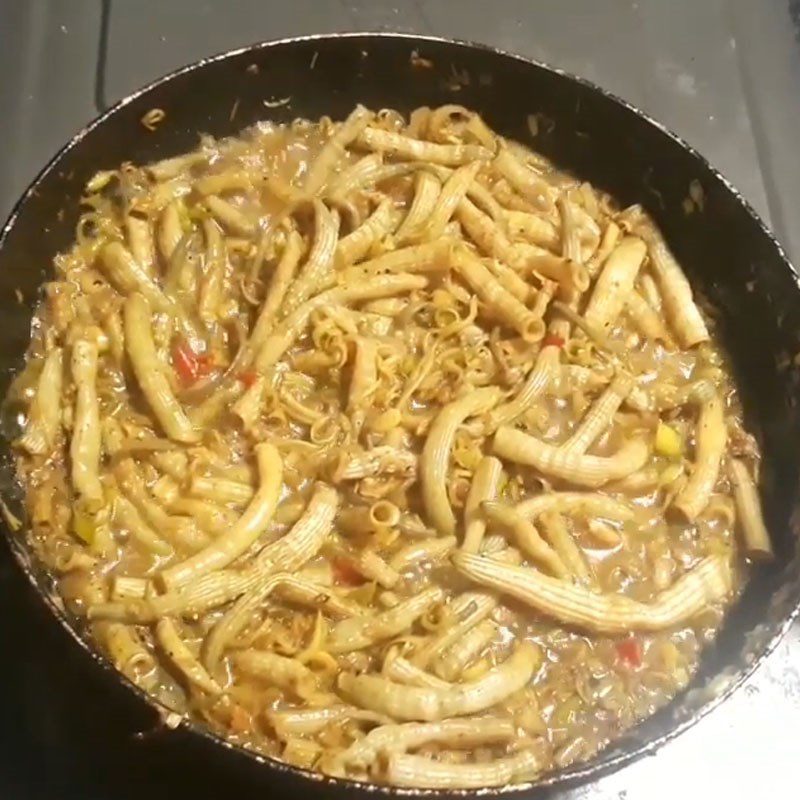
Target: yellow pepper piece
{"points": [[668, 441], [83, 524]]}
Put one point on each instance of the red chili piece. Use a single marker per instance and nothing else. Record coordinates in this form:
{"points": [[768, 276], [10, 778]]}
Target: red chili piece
{"points": [[188, 364], [552, 340], [629, 652], [248, 378], [345, 573]]}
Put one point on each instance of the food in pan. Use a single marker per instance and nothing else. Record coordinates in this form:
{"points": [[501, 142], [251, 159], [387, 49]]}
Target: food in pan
{"points": [[385, 448]]}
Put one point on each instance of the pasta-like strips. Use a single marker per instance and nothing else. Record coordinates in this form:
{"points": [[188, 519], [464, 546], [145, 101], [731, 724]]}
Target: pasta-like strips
{"points": [[84, 449], [522, 257], [453, 191], [646, 319], [511, 200], [570, 233], [181, 272], [526, 536], [429, 550], [402, 769], [532, 227], [681, 310], [485, 232], [608, 242], [570, 275], [750, 517], [128, 276], [44, 414], [364, 172], [381, 403], [599, 416], [209, 591], [363, 380], [301, 543], [436, 454], [217, 588], [291, 328], [498, 300], [522, 178], [603, 534], [555, 530], [316, 596], [485, 483], [179, 654], [711, 436], [708, 582], [149, 371], [578, 504], [355, 246], [140, 241], [211, 286], [249, 406], [230, 216], [170, 230], [396, 145], [282, 278], [308, 721], [306, 536], [401, 670], [181, 531], [452, 663], [126, 650], [615, 283], [545, 371], [461, 733], [574, 376], [228, 181], [429, 704], [665, 397], [360, 632], [334, 149], [127, 516], [124, 586], [512, 282], [428, 257], [286, 673], [584, 470], [371, 566], [470, 608], [169, 168], [317, 273], [253, 522], [426, 192], [220, 490], [484, 199], [587, 229], [381, 460], [212, 517]]}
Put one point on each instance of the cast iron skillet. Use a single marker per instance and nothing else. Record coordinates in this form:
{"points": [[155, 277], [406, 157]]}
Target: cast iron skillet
{"points": [[731, 258]]}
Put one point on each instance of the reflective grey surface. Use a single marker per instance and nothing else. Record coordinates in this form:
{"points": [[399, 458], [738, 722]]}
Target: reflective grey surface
{"points": [[724, 74]]}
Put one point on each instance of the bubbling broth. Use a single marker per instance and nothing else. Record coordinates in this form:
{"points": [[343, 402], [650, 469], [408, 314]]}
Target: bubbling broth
{"points": [[385, 448]]}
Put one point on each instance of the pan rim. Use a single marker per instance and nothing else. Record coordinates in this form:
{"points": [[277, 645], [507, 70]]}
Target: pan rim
{"points": [[600, 764]]}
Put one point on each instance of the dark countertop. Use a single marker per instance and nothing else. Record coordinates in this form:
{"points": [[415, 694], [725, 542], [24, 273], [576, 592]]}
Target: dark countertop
{"points": [[725, 74]]}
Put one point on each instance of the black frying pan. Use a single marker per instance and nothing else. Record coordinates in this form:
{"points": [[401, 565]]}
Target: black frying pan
{"points": [[730, 256]]}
